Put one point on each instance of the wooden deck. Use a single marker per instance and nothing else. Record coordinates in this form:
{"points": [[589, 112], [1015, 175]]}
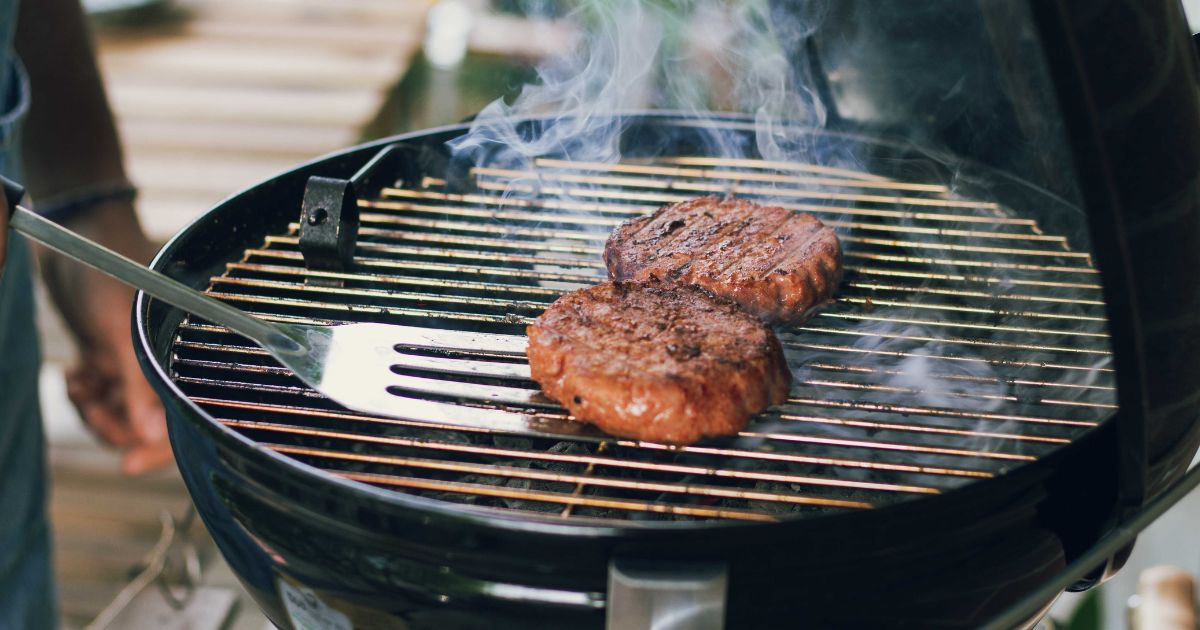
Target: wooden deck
{"points": [[238, 91], [222, 96]]}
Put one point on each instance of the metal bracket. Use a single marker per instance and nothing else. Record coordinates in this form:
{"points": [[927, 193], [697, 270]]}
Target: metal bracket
{"points": [[666, 596], [329, 212], [328, 224]]}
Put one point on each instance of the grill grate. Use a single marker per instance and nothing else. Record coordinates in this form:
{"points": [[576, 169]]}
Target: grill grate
{"points": [[964, 341]]}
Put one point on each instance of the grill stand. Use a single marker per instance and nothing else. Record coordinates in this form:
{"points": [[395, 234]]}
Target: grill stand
{"points": [[680, 596]]}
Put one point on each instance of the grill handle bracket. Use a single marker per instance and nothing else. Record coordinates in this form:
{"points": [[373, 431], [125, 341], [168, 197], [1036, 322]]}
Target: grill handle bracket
{"points": [[329, 211], [680, 596], [328, 226]]}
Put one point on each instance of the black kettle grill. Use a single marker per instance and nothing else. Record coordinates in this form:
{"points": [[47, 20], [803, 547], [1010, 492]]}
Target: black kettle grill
{"points": [[1006, 380]]}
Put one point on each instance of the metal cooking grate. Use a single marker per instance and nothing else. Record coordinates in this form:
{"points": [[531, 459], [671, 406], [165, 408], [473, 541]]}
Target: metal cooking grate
{"points": [[964, 341]]}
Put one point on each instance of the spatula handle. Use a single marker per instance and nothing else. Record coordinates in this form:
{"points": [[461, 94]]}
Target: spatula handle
{"points": [[13, 193], [160, 286]]}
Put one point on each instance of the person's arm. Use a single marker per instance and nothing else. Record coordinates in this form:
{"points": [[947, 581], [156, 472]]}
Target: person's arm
{"points": [[70, 147], [3, 231]]}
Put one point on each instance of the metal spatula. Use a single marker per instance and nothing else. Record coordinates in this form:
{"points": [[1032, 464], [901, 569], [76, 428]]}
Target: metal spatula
{"points": [[349, 363]]}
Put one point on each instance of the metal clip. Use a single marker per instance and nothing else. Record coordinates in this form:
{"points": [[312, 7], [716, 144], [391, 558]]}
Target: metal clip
{"points": [[328, 224], [329, 211]]}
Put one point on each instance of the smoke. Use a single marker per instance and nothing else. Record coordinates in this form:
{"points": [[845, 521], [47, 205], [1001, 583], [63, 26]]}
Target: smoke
{"points": [[693, 57], [581, 94], [995, 349]]}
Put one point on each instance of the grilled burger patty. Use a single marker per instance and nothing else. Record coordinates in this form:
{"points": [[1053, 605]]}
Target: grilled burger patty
{"points": [[656, 363], [776, 263]]}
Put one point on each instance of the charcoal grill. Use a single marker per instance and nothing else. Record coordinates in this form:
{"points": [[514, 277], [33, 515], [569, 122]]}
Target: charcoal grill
{"points": [[1001, 314], [951, 442]]}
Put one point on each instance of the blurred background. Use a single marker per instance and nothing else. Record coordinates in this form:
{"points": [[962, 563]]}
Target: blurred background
{"points": [[213, 96]]}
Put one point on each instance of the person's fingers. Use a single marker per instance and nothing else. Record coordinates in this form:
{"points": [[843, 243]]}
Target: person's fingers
{"points": [[108, 424], [100, 410], [146, 457], [81, 384], [146, 416]]}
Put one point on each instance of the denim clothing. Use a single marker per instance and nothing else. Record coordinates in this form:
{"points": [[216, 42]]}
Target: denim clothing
{"points": [[27, 598]]}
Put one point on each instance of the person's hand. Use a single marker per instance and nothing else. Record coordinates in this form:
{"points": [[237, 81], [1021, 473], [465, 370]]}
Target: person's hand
{"points": [[107, 386]]}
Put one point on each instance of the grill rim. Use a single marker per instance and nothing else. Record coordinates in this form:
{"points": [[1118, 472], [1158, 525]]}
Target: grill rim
{"points": [[345, 161]]}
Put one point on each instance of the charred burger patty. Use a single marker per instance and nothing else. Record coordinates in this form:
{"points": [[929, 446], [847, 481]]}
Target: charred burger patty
{"points": [[657, 363], [775, 263]]}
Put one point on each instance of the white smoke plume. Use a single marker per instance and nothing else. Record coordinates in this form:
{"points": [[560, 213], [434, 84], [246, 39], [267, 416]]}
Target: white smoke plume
{"points": [[697, 57]]}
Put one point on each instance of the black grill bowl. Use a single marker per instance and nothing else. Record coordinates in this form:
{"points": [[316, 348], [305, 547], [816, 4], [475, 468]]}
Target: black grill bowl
{"points": [[387, 559]]}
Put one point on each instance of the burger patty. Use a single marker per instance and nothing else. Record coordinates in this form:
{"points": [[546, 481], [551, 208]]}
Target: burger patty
{"points": [[775, 263], [656, 363]]}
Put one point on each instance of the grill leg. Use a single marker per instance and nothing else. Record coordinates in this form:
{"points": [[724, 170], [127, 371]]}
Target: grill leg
{"points": [[644, 595]]}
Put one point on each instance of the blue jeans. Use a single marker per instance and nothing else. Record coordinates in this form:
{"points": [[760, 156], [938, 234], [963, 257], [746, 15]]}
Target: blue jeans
{"points": [[27, 598]]}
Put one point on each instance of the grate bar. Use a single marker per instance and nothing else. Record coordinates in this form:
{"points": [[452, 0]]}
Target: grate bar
{"points": [[969, 325], [963, 262], [520, 370], [953, 292], [874, 387], [733, 189], [681, 171], [553, 498], [642, 209], [525, 397], [386, 263], [808, 439], [957, 377], [592, 251], [934, 411], [554, 204], [478, 365], [382, 279], [359, 309], [951, 340], [533, 398], [366, 261], [610, 222], [487, 286], [510, 305], [510, 230], [870, 302], [545, 456], [977, 279], [581, 480], [770, 165], [877, 426], [980, 249], [512, 318], [590, 219], [790, 458], [662, 177], [976, 294]]}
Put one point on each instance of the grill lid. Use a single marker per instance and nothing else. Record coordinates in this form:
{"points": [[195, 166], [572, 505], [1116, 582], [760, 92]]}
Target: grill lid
{"points": [[966, 339]]}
